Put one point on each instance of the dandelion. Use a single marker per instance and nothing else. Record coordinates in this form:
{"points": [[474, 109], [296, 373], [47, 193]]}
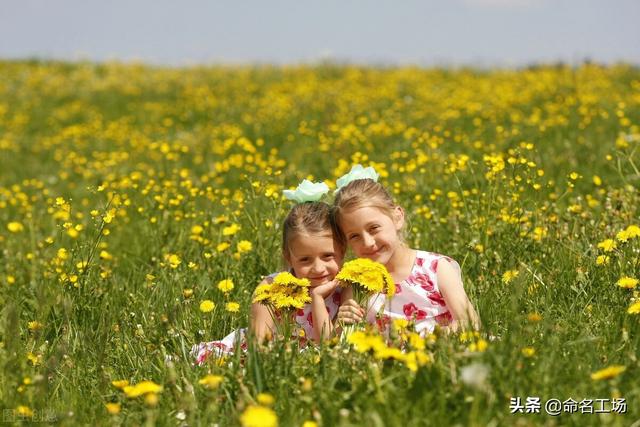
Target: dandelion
{"points": [[232, 307], [608, 372], [607, 245], [187, 293], [211, 381], [230, 230], [265, 399], [534, 317], [34, 325], [603, 259], [113, 408], [309, 424], [225, 285], [285, 292], [15, 227], [258, 416], [509, 275], [197, 230], [141, 389], [528, 351], [121, 384], [173, 260], [634, 308], [627, 282], [221, 247], [207, 306], [244, 246], [24, 411]]}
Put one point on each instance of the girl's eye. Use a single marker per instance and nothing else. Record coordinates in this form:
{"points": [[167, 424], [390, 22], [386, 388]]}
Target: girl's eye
{"points": [[353, 237], [328, 256], [374, 227], [303, 259]]}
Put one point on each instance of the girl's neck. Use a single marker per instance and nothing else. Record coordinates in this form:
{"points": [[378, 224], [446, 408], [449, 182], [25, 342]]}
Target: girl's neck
{"points": [[401, 262]]}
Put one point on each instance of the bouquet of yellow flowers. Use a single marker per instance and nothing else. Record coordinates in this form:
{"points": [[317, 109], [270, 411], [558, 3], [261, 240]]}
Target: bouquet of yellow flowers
{"points": [[285, 292], [366, 278]]}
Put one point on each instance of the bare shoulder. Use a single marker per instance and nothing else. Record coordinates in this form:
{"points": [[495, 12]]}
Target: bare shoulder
{"points": [[448, 275]]}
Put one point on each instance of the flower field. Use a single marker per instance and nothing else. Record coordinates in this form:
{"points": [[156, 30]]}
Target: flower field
{"points": [[140, 207]]}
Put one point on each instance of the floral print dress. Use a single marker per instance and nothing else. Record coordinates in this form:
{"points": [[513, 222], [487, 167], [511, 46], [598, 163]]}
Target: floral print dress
{"points": [[237, 339], [417, 298]]}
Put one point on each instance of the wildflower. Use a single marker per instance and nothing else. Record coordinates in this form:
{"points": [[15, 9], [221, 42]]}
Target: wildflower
{"points": [[265, 399], [602, 259], [221, 247], [142, 388], [627, 282], [258, 416], [230, 230], [509, 275], [364, 342], [528, 351], [113, 408], [607, 245], [232, 307], [225, 285], [608, 372], [24, 411], [211, 381], [197, 229], [187, 293], [34, 325], [309, 424], [634, 308], [15, 227], [151, 399], [173, 259], [206, 306], [286, 291], [534, 317], [597, 180], [367, 277], [244, 246], [120, 383]]}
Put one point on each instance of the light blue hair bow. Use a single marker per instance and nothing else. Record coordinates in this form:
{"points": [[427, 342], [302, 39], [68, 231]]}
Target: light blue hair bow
{"points": [[357, 172], [307, 191]]}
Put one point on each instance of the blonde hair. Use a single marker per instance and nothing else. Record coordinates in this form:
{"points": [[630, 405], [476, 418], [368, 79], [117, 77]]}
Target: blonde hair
{"points": [[362, 193], [309, 218]]}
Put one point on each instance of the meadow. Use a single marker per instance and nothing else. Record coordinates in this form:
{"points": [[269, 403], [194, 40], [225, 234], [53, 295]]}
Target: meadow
{"points": [[129, 193]]}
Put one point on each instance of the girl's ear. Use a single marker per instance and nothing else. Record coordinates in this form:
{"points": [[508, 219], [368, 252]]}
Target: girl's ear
{"points": [[398, 217]]}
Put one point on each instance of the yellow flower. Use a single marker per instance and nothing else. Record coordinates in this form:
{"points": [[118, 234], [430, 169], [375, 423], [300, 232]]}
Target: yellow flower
{"points": [[142, 388], [244, 246], [509, 275], [225, 285], [310, 424], [15, 227], [113, 408], [368, 275], [364, 342], [258, 416], [634, 308], [206, 306], [603, 259], [151, 399], [286, 291], [534, 317], [187, 293], [211, 381], [607, 245], [197, 229], [230, 230], [222, 246], [173, 259], [24, 411], [627, 282], [597, 180], [232, 307], [120, 383], [265, 399], [528, 351], [608, 372]]}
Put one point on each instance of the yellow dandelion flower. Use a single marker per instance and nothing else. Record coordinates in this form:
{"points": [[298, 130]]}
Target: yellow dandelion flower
{"points": [[113, 408], [225, 285], [120, 383], [221, 247], [244, 246], [627, 282], [187, 293], [634, 308], [534, 317], [285, 292], [24, 411], [206, 306], [15, 227], [197, 229], [34, 325], [230, 230], [309, 424], [142, 388], [265, 399], [528, 351], [211, 381], [597, 180], [603, 259], [151, 399], [232, 307], [607, 245], [368, 276], [258, 416], [509, 275], [608, 372]]}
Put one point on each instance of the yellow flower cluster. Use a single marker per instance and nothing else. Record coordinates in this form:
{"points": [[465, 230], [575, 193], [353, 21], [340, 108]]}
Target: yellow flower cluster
{"points": [[370, 276], [285, 292], [364, 342]]}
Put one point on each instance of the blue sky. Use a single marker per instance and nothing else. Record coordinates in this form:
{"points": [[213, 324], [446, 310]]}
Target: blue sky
{"points": [[453, 32]]}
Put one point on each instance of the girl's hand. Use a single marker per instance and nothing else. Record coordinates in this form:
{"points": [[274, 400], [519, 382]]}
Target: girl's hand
{"points": [[350, 312], [324, 290]]}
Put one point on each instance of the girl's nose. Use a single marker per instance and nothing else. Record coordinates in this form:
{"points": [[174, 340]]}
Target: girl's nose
{"points": [[316, 267], [368, 240]]}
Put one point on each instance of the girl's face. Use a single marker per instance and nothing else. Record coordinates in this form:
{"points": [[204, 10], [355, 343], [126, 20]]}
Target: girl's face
{"points": [[372, 234], [315, 257]]}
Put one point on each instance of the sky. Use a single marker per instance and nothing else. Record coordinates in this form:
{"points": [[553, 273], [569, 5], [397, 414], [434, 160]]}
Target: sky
{"points": [[426, 33]]}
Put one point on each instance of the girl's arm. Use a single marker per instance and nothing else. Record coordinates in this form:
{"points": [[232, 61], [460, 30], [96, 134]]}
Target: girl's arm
{"points": [[261, 324], [322, 326], [450, 284], [349, 311]]}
